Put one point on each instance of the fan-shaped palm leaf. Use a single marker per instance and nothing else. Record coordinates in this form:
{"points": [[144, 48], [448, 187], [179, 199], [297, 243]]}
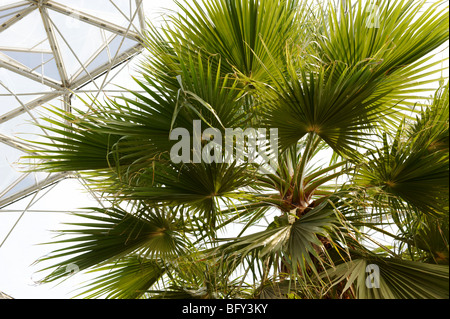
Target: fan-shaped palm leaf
{"points": [[396, 279], [113, 235]]}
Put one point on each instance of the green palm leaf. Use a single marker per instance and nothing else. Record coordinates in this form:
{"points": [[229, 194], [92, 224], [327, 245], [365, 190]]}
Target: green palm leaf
{"points": [[398, 279], [236, 30], [130, 278], [111, 234], [412, 165]]}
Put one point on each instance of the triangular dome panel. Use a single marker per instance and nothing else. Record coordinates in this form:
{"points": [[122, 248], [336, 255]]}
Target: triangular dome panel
{"points": [[48, 51]]}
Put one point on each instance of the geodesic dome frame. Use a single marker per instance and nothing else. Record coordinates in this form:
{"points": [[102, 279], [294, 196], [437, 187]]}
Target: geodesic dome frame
{"points": [[50, 50]]}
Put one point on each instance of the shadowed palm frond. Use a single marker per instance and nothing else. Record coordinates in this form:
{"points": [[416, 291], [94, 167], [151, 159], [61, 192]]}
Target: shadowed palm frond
{"points": [[111, 234]]}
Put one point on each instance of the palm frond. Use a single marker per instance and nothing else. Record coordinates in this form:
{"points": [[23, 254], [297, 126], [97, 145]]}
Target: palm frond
{"points": [[111, 234], [387, 278], [129, 278], [411, 165]]}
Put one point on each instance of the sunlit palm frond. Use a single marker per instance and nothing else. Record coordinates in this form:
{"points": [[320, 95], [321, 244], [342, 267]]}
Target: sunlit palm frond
{"points": [[395, 38], [236, 30], [411, 165], [111, 234]]}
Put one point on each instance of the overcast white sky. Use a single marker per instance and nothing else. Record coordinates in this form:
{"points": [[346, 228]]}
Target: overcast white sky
{"points": [[17, 276]]}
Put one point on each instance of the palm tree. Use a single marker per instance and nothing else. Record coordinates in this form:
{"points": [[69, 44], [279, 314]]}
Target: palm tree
{"points": [[361, 154]]}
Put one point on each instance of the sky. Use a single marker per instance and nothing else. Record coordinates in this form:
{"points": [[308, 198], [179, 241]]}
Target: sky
{"points": [[18, 274]]}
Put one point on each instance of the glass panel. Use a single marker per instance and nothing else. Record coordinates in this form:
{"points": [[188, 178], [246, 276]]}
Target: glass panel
{"points": [[83, 47], [16, 90], [7, 14], [117, 11], [24, 125], [39, 62], [25, 183], [121, 44], [49, 69], [115, 48], [10, 3], [8, 165], [30, 59], [28, 33], [77, 43], [8, 101]]}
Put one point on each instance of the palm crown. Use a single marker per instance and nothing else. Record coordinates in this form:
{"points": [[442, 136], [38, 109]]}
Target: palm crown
{"points": [[357, 152]]}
